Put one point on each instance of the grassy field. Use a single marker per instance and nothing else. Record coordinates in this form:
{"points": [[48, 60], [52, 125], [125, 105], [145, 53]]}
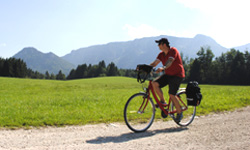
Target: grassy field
{"points": [[29, 102]]}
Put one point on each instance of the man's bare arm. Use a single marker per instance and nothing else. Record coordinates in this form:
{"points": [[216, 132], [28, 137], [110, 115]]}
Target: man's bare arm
{"points": [[169, 62], [155, 63]]}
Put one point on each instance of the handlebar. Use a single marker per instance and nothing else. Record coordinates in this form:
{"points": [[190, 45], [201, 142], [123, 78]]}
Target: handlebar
{"points": [[146, 70]]}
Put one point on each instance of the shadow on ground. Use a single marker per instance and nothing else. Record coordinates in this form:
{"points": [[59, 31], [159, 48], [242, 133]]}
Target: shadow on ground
{"points": [[132, 136]]}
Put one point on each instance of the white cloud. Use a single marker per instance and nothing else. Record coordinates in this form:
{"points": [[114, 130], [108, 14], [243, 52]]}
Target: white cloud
{"points": [[226, 22], [217, 6], [228, 19], [2, 44], [142, 30]]}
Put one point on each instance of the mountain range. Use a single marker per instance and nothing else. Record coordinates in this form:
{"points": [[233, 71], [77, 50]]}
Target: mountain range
{"points": [[42, 62], [124, 54]]}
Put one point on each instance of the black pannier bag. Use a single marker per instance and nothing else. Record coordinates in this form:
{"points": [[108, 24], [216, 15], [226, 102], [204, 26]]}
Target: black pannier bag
{"points": [[193, 93]]}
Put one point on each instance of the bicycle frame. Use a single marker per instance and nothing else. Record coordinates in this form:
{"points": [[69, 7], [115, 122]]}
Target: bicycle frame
{"points": [[149, 90]]}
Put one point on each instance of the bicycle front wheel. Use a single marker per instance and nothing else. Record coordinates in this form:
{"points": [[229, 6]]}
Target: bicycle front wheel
{"points": [[139, 112], [188, 111]]}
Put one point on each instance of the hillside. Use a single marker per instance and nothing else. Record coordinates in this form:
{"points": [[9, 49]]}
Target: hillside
{"points": [[144, 50], [124, 54], [243, 48], [42, 62]]}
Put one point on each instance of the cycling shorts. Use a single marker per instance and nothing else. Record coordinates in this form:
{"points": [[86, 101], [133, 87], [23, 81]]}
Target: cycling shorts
{"points": [[174, 82]]}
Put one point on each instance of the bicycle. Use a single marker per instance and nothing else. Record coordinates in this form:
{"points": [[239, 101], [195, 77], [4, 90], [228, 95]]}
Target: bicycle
{"points": [[139, 111]]}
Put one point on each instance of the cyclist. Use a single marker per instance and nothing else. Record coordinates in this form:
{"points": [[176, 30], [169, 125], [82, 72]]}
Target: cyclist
{"points": [[173, 76]]}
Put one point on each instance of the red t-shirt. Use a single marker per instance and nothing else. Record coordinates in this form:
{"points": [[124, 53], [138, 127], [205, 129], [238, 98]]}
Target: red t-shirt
{"points": [[176, 69]]}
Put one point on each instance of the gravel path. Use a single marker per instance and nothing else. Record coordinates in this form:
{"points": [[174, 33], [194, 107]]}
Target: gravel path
{"points": [[224, 131]]}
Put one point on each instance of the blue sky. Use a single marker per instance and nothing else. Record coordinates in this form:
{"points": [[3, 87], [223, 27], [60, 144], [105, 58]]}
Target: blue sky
{"points": [[60, 26]]}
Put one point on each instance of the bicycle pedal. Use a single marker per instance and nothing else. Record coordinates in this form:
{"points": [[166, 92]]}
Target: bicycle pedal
{"points": [[163, 115]]}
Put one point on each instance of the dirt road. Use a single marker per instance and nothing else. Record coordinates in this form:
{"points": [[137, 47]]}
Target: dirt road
{"points": [[224, 131]]}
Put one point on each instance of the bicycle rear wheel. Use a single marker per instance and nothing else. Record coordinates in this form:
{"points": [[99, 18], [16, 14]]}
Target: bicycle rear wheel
{"points": [[188, 111], [139, 112]]}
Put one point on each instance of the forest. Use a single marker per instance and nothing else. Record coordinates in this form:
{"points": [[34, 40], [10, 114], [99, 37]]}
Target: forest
{"points": [[231, 68]]}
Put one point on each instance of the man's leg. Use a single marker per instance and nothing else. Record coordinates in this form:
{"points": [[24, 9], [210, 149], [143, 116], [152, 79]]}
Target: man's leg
{"points": [[179, 115], [158, 91], [173, 88], [176, 103]]}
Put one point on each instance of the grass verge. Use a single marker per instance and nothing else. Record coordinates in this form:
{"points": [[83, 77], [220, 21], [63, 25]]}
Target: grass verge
{"points": [[29, 102]]}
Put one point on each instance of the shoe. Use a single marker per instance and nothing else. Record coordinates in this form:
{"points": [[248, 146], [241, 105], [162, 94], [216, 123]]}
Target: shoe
{"points": [[163, 103], [163, 115], [179, 117]]}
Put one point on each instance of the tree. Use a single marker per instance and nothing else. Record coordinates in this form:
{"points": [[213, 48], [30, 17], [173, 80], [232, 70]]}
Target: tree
{"points": [[101, 70], [205, 59], [92, 71], [195, 69], [13, 67], [1, 66], [47, 76], [201, 69], [71, 74], [112, 70], [80, 72], [60, 76], [22, 68], [186, 64], [247, 73], [52, 76], [37, 75], [238, 68]]}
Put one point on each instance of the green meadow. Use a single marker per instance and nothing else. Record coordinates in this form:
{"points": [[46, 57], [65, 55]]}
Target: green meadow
{"points": [[30, 102]]}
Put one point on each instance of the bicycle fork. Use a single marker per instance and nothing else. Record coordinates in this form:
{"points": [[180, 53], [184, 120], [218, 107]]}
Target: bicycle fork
{"points": [[144, 104]]}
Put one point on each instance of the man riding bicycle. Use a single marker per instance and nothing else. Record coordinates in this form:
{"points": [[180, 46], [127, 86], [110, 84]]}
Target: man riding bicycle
{"points": [[173, 76]]}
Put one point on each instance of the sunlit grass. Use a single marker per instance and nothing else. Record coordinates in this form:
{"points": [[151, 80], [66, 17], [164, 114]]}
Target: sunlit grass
{"points": [[29, 102]]}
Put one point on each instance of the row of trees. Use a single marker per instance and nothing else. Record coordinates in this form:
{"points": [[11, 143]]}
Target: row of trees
{"points": [[13, 67], [232, 67], [90, 71]]}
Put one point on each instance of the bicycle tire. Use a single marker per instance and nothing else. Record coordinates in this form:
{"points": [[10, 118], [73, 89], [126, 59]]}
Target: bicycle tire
{"points": [[188, 115], [139, 116]]}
